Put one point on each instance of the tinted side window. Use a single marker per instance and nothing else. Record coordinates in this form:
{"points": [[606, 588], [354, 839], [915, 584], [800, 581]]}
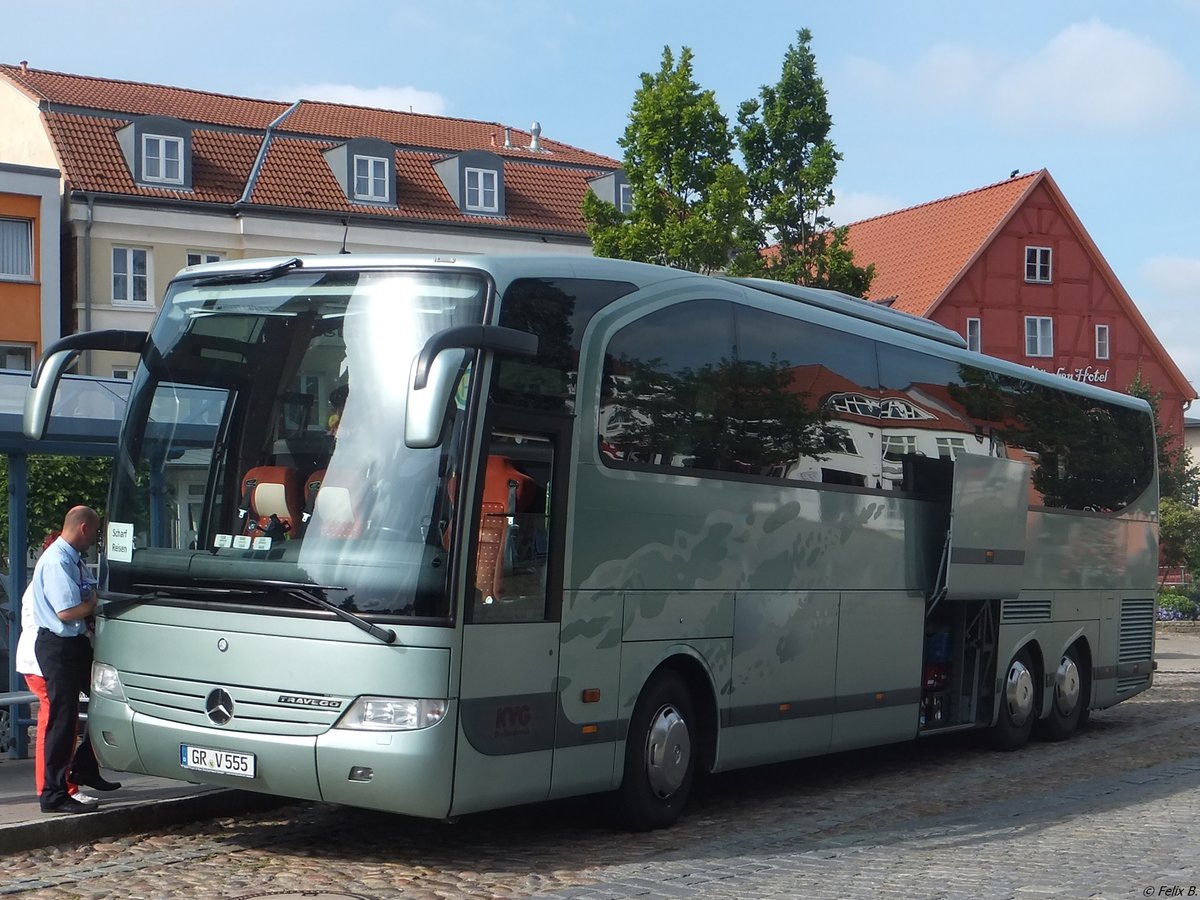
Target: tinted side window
{"points": [[925, 423], [1085, 453], [669, 389], [807, 396], [713, 386], [557, 310]]}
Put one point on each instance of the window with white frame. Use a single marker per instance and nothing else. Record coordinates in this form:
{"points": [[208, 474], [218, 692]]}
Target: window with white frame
{"points": [[16, 356], [1039, 336], [481, 190], [197, 257], [162, 159], [975, 335], [1101, 342], [1037, 265], [370, 178], [951, 447], [130, 275], [897, 446], [626, 199], [16, 248]]}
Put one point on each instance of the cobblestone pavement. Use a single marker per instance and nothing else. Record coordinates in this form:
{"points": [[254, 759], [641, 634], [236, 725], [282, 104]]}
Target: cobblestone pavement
{"points": [[1114, 812]]}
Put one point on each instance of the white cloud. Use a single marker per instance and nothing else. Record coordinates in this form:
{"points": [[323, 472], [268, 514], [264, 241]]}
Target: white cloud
{"points": [[950, 73], [1170, 304], [403, 98], [1091, 75], [1088, 76], [854, 206], [1175, 278]]}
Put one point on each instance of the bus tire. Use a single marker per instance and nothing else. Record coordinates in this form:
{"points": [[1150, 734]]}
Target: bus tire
{"points": [[1018, 704], [1072, 693], [660, 755]]}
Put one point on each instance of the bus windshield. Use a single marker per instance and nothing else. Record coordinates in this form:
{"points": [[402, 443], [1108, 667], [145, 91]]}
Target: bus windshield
{"points": [[264, 443]]}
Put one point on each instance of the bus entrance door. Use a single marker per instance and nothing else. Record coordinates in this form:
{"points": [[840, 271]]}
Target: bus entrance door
{"points": [[508, 701]]}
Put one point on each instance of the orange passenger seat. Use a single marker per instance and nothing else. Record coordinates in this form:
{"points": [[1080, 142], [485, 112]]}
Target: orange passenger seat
{"points": [[335, 505], [506, 491], [272, 502]]}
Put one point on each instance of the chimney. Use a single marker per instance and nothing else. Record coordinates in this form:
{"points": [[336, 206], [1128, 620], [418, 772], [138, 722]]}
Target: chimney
{"points": [[24, 65], [507, 138], [535, 137], [493, 136]]}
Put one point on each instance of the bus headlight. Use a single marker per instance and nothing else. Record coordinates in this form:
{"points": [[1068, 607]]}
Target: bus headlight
{"points": [[106, 682], [392, 714]]}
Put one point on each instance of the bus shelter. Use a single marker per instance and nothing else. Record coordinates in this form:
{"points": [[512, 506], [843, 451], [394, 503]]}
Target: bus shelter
{"points": [[84, 420]]}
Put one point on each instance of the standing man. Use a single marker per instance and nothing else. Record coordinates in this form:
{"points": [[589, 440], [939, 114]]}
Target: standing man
{"points": [[64, 598]]}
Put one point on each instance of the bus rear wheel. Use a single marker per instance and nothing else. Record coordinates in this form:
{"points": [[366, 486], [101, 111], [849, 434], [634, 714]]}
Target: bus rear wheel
{"points": [[1018, 704], [1072, 693], [660, 760]]}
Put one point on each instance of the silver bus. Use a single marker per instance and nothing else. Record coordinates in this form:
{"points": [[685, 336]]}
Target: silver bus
{"points": [[439, 535]]}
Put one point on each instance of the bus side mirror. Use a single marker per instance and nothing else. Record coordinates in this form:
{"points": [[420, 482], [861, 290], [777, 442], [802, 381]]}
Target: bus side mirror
{"points": [[435, 374], [59, 355], [425, 411]]}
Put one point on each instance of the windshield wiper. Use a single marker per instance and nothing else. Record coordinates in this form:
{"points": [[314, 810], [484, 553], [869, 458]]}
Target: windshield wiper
{"points": [[268, 274], [300, 590]]}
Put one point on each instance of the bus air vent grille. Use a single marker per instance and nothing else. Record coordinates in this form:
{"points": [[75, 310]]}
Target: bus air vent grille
{"points": [[1137, 631], [1018, 611]]}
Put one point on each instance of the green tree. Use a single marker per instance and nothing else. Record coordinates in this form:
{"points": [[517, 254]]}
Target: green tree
{"points": [[688, 195], [1178, 477], [791, 164], [55, 484], [1179, 535]]}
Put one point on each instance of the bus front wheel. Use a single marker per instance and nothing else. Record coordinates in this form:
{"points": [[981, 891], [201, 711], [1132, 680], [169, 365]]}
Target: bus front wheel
{"points": [[1018, 704], [659, 755], [1072, 694]]}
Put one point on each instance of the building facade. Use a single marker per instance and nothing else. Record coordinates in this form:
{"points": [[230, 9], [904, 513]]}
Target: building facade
{"points": [[155, 178], [29, 263], [1012, 269]]}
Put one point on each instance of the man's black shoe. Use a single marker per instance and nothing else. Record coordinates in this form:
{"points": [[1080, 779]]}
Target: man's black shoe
{"points": [[97, 781], [70, 805]]}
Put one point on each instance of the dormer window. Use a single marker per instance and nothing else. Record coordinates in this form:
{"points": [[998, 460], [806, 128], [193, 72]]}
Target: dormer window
{"points": [[365, 170], [371, 179], [162, 158], [158, 151], [613, 187], [481, 190], [474, 179]]}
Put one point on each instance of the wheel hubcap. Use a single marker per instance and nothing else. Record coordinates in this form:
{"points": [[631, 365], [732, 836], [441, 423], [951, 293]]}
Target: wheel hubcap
{"points": [[668, 752], [1067, 686], [1018, 692]]}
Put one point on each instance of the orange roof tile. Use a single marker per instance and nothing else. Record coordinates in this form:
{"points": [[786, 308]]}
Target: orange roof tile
{"points": [[543, 189], [136, 98], [920, 252]]}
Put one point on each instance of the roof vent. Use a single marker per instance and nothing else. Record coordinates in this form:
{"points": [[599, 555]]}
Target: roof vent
{"points": [[507, 138], [535, 137], [24, 65]]}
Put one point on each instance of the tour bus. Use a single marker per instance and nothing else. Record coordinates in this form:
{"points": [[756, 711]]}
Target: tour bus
{"points": [[440, 535]]}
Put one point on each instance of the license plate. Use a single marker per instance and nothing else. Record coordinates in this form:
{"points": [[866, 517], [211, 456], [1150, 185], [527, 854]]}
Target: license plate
{"points": [[223, 762]]}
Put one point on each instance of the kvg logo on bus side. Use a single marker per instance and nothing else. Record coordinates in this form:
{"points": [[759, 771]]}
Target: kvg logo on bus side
{"points": [[513, 720]]}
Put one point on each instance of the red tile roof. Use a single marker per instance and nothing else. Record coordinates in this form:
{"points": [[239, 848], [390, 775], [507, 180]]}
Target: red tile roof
{"points": [[543, 188], [920, 252], [138, 99]]}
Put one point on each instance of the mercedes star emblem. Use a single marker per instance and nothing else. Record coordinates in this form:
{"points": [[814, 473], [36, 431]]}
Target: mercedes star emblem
{"points": [[219, 706]]}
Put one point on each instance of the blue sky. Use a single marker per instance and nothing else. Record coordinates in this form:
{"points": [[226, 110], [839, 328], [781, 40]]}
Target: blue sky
{"points": [[928, 99]]}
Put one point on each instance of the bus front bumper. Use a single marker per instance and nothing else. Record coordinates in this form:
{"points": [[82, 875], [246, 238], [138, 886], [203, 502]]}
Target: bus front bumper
{"points": [[408, 772]]}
